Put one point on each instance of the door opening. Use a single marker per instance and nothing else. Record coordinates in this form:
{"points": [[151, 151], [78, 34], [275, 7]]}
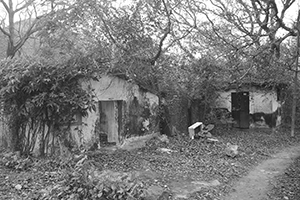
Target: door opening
{"points": [[240, 109], [110, 122]]}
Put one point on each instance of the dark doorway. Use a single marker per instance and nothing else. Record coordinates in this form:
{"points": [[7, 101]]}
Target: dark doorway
{"points": [[240, 109]]}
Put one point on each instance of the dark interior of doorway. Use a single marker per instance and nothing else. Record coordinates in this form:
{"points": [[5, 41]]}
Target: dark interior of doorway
{"points": [[240, 109]]}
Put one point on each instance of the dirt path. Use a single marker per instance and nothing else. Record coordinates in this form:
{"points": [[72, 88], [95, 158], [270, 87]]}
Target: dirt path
{"points": [[256, 184]]}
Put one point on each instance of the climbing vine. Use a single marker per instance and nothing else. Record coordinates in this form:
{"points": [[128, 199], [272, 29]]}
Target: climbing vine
{"points": [[40, 98]]}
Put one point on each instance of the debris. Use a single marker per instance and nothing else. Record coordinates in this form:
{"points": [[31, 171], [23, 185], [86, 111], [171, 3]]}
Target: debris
{"points": [[212, 140], [169, 151], [231, 150], [208, 128], [163, 138], [194, 129], [18, 187], [205, 131], [200, 130]]}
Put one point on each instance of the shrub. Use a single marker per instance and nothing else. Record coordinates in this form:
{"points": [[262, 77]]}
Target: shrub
{"points": [[40, 97]]}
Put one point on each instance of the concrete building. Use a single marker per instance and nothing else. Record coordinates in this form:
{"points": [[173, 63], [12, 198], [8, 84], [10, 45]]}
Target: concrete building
{"points": [[124, 109], [252, 105]]}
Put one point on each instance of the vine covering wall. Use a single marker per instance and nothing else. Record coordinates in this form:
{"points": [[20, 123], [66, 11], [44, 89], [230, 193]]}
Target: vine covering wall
{"points": [[40, 98]]}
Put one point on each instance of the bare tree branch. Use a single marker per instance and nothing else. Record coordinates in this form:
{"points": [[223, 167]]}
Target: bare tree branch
{"points": [[167, 31], [4, 32], [31, 30], [28, 3], [5, 6]]}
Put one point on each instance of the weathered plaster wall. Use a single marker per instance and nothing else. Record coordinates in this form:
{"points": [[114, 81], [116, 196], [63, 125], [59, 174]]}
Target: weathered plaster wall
{"points": [[260, 101], [139, 108], [110, 88], [264, 108]]}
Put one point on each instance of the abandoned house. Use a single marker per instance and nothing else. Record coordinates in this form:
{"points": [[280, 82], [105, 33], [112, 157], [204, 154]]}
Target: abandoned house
{"points": [[252, 105], [123, 109]]}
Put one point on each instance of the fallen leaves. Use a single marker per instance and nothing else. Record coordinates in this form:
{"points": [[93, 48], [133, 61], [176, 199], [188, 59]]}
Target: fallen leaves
{"points": [[287, 185], [178, 159]]}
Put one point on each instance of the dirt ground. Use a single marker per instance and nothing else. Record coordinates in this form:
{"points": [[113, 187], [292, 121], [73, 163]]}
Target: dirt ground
{"points": [[256, 185], [287, 185]]}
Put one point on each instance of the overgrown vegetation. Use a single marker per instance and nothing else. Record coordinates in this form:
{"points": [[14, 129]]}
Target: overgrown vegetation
{"points": [[185, 49], [40, 98]]}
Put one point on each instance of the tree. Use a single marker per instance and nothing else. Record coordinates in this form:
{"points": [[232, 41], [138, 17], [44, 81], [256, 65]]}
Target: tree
{"points": [[260, 24], [146, 40], [22, 20], [236, 30], [41, 97]]}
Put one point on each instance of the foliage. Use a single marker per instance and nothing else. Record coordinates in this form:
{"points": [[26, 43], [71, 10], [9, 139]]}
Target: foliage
{"points": [[78, 186], [40, 97]]}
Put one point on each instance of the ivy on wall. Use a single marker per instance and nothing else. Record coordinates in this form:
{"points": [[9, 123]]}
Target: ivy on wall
{"points": [[40, 97]]}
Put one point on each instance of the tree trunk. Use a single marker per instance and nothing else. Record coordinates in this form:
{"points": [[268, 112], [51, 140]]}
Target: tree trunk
{"points": [[10, 51], [294, 104], [16, 144]]}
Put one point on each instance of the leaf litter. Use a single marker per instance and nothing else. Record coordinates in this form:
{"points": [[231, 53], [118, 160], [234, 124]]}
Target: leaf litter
{"points": [[188, 160]]}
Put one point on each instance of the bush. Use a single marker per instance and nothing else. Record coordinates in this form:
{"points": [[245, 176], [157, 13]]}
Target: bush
{"points": [[40, 96], [81, 183]]}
